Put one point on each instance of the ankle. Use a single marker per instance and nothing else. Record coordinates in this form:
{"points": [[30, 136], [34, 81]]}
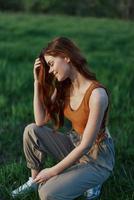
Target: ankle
{"points": [[34, 173]]}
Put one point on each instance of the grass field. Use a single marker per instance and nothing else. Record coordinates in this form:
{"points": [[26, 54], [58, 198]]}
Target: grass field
{"points": [[109, 48]]}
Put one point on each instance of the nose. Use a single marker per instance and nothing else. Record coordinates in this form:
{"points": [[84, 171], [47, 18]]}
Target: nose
{"points": [[50, 70]]}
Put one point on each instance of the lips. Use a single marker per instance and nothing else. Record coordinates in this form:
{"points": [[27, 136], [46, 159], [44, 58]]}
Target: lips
{"points": [[55, 73]]}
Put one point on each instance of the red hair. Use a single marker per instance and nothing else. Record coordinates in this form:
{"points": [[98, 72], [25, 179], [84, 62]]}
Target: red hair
{"points": [[62, 47]]}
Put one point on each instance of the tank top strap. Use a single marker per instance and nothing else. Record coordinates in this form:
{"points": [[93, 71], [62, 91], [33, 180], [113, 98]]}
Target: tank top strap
{"points": [[94, 85]]}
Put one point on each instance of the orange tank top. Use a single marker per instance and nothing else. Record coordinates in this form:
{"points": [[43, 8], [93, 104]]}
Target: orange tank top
{"points": [[79, 117]]}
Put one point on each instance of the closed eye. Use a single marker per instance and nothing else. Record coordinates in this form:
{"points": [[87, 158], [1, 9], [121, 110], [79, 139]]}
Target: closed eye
{"points": [[50, 63]]}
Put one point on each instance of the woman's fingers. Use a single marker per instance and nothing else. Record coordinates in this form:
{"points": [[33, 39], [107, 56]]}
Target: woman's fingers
{"points": [[37, 63], [39, 179], [37, 67], [37, 58]]}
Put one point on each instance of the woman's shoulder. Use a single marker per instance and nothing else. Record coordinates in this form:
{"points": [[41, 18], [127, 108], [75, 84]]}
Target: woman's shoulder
{"points": [[99, 92], [99, 95], [98, 86]]}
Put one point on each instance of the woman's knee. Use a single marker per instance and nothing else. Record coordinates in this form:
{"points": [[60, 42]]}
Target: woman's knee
{"points": [[28, 131], [32, 130], [50, 191], [44, 193]]}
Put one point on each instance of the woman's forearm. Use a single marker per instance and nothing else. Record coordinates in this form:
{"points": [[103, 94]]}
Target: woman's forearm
{"points": [[71, 158], [39, 110]]}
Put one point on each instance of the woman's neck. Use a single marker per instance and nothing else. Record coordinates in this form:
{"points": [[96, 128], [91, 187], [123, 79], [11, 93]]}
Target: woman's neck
{"points": [[78, 81]]}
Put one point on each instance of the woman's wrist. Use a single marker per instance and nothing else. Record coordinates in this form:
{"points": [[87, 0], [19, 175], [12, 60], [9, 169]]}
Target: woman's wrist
{"points": [[55, 170], [36, 82], [37, 85]]}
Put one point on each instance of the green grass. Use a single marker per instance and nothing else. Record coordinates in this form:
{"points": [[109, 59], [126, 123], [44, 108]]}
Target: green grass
{"points": [[109, 48]]}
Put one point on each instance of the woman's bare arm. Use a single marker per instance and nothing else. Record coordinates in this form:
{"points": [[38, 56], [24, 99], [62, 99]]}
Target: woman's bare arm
{"points": [[39, 110], [97, 104], [40, 113]]}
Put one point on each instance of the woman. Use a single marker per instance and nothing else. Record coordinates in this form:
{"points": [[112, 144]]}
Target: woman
{"points": [[63, 86]]}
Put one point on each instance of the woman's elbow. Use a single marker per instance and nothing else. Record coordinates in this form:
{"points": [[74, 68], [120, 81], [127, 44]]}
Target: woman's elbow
{"points": [[42, 122], [39, 123]]}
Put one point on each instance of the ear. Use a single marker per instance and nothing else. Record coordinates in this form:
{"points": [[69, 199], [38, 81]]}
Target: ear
{"points": [[67, 59]]}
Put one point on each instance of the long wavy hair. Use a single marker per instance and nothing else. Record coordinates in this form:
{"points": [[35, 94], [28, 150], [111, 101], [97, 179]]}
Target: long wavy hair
{"points": [[62, 47]]}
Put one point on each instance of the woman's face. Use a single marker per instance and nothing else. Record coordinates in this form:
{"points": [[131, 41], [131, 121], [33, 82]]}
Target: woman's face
{"points": [[59, 66]]}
